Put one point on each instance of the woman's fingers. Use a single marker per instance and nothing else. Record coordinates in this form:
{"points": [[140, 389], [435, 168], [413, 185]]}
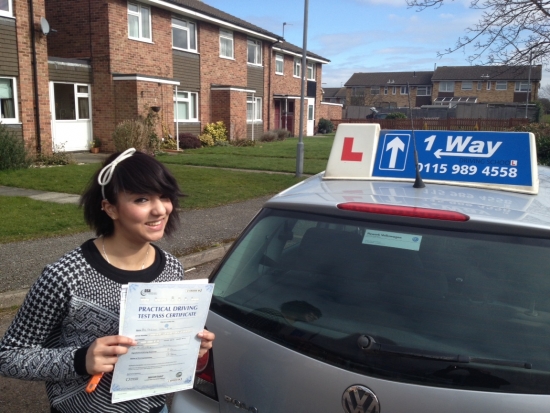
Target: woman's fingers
{"points": [[103, 353]]}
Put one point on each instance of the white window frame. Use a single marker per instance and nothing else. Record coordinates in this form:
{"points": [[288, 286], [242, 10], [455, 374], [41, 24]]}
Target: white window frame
{"points": [[375, 90], [15, 120], [227, 35], [447, 86], [297, 67], [257, 45], [310, 70], [279, 58], [427, 91], [519, 87], [394, 90], [479, 85], [189, 101], [76, 107], [499, 84], [489, 85], [9, 12], [385, 90], [176, 26], [256, 109], [140, 36], [467, 85], [403, 90]]}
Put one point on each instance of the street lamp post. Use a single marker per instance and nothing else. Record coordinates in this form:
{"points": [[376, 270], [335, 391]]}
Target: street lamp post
{"points": [[300, 146]]}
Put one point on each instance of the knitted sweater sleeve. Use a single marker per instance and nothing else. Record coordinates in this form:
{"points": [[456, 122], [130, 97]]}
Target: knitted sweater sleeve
{"points": [[25, 352]]}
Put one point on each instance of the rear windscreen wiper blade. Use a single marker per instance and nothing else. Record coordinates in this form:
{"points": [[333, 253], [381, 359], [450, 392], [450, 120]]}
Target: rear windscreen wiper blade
{"points": [[369, 345]]}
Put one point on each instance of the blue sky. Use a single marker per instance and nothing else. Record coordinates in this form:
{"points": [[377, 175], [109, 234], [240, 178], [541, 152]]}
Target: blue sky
{"points": [[364, 35]]}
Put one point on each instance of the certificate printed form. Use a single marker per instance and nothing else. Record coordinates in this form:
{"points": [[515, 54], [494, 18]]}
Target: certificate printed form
{"points": [[164, 319]]}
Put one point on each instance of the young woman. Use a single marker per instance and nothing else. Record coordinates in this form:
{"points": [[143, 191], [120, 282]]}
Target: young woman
{"points": [[67, 328]]}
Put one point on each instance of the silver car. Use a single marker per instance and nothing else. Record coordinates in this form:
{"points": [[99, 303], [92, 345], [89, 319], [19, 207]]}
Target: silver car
{"points": [[369, 295]]}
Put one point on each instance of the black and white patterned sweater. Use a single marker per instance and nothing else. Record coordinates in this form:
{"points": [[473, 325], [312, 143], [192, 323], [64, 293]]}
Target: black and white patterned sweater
{"points": [[73, 302]]}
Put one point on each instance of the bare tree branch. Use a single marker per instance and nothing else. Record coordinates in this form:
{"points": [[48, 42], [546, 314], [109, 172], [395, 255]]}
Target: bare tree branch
{"points": [[509, 32]]}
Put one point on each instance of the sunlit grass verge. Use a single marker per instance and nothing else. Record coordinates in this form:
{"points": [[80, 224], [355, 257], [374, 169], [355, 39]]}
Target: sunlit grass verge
{"points": [[25, 218]]}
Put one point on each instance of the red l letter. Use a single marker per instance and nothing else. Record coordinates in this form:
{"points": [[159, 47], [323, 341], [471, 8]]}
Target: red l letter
{"points": [[348, 154]]}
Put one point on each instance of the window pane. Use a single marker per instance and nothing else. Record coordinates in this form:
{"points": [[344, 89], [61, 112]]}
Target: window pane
{"points": [[249, 110], [7, 105], [145, 19], [182, 95], [192, 39], [64, 101], [226, 47], [258, 109], [310, 112], [193, 108], [133, 7], [4, 5], [179, 38], [82, 89], [133, 26], [251, 53], [182, 110], [83, 108]]}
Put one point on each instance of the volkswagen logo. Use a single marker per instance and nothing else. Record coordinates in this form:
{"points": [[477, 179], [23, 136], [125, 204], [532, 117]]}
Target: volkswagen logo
{"points": [[360, 399]]}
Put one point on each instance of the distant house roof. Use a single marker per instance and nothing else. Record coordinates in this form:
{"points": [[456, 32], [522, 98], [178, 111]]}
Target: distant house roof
{"points": [[334, 92], [204, 8], [487, 73], [289, 47], [390, 78]]}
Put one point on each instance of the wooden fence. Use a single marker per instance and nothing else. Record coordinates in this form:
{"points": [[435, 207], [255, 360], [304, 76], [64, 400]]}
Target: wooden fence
{"points": [[441, 124]]}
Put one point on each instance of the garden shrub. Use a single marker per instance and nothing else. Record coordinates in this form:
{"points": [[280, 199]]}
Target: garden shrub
{"points": [[396, 115], [189, 141], [269, 136], [325, 126], [58, 157], [542, 139], [169, 143], [213, 133], [282, 134], [132, 133], [13, 154]]}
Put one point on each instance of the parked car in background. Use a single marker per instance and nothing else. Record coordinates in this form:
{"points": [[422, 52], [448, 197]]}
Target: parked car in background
{"points": [[355, 292]]}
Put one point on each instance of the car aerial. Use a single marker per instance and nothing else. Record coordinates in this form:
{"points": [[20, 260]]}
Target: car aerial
{"points": [[358, 291]]}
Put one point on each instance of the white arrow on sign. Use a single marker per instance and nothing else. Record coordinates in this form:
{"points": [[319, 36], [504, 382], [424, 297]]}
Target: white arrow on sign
{"points": [[395, 146], [439, 153]]}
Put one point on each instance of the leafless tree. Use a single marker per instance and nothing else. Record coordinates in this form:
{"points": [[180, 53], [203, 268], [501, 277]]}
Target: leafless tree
{"points": [[508, 32], [544, 91]]}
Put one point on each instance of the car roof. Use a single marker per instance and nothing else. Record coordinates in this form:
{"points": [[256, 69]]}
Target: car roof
{"points": [[483, 206]]}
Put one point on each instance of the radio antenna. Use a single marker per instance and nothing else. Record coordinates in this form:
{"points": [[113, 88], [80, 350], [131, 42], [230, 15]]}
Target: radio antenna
{"points": [[418, 183]]}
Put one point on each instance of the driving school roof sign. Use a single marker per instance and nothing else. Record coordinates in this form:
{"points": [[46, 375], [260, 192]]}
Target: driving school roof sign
{"points": [[497, 160]]}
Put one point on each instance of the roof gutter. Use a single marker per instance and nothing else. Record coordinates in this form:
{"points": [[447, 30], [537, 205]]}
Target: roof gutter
{"points": [[314, 59], [201, 16]]}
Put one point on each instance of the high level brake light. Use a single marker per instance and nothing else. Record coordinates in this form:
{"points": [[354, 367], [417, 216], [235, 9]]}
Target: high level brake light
{"points": [[404, 211]]}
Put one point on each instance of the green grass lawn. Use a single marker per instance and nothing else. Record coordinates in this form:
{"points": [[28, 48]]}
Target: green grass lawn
{"points": [[266, 156], [25, 218], [28, 219]]}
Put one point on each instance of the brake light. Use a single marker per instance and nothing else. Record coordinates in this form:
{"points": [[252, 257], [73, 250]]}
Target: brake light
{"points": [[205, 381], [404, 211]]}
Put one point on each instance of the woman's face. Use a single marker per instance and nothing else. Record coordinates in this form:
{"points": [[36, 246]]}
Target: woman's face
{"points": [[140, 218]]}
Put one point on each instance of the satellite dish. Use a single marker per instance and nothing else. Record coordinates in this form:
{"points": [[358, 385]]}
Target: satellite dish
{"points": [[45, 26]]}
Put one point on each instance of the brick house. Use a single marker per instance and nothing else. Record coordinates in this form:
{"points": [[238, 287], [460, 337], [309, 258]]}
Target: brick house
{"points": [[389, 89], [485, 84], [446, 85], [114, 60]]}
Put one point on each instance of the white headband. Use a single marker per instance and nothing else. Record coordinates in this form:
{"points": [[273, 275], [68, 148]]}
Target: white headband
{"points": [[106, 173]]}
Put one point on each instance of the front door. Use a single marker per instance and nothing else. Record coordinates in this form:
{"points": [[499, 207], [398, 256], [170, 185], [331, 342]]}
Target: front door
{"points": [[310, 117], [71, 116]]}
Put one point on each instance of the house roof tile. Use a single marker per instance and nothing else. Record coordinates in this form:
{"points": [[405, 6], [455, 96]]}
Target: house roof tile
{"points": [[487, 73], [390, 78], [334, 92]]}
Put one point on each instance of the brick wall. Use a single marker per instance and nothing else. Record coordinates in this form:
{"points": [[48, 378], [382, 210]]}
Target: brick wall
{"points": [[329, 111], [484, 95], [25, 82]]}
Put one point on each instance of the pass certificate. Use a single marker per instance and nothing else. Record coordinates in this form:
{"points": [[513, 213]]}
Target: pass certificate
{"points": [[164, 319]]}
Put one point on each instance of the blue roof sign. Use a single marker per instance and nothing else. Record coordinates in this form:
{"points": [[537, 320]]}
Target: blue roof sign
{"points": [[498, 160]]}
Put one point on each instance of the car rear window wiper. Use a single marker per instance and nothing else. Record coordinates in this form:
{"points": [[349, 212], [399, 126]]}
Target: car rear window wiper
{"points": [[369, 345]]}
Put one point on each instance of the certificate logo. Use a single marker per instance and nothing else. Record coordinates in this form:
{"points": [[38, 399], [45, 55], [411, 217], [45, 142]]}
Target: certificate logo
{"points": [[145, 292], [178, 374]]}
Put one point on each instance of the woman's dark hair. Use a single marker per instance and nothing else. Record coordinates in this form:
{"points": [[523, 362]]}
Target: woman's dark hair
{"points": [[138, 174]]}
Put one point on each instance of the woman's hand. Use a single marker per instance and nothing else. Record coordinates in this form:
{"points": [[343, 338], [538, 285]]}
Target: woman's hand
{"points": [[207, 338], [102, 355]]}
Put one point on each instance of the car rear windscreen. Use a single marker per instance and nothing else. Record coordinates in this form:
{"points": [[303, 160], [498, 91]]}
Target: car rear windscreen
{"points": [[407, 303]]}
